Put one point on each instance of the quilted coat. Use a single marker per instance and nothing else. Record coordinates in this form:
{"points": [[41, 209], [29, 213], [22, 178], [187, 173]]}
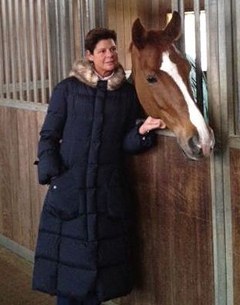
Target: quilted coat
{"points": [[83, 240]]}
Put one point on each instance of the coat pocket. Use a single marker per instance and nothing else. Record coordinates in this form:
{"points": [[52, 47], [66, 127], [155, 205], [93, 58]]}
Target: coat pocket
{"points": [[64, 197]]}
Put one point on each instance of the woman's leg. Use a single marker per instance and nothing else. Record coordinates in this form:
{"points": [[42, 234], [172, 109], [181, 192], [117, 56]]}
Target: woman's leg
{"points": [[63, 300], [90, 300]]}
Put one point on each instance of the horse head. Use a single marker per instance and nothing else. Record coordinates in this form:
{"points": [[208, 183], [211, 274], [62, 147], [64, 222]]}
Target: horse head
{"points": [[161, 78]]}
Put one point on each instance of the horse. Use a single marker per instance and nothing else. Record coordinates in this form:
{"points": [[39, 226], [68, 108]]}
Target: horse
{"points": [[160, 74]]}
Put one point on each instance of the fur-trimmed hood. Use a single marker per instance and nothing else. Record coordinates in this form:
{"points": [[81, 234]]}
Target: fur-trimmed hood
{"points": [[83, 70]]}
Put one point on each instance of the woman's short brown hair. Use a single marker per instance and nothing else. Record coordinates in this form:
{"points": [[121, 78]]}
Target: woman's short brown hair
{"points": [[97, 34]]}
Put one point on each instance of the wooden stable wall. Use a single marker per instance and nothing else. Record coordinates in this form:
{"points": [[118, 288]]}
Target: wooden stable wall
{"points": [[20, 195], [235, 187], [173, 245], [187, 213], [173, 241]]}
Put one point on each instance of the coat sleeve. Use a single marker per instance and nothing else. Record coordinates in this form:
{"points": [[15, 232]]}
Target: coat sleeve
{"points": [[49, 161], [134, 142]]}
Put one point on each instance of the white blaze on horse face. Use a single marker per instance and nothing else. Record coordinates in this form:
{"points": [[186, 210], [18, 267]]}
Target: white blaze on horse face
{"points": [[195, 115]]}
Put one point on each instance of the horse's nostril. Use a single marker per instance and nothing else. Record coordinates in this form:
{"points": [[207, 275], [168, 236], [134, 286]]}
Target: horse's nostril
{"points": [[195, 145]]}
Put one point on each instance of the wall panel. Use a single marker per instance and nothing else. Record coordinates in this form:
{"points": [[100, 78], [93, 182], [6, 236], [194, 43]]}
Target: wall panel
{"points": [[235, 187], [173, 244], [20, 195]]}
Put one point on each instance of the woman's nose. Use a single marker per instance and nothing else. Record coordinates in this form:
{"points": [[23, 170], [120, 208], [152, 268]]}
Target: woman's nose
{"points": [[110, 52]]}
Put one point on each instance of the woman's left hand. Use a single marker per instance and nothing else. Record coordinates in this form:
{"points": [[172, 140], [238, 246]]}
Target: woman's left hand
{"points": [[150, 124]]}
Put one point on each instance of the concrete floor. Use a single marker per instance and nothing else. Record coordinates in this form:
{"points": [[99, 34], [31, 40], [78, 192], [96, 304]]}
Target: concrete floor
{"points": [[15, 282]]}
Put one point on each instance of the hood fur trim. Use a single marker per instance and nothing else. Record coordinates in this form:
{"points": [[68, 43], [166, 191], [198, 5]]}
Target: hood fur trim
{"points": [[83, 70]]}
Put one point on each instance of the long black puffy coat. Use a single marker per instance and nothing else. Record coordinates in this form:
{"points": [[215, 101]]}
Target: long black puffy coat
{"points": [[82, 245]]}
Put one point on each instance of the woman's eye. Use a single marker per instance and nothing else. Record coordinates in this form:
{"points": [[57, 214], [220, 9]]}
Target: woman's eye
{"points": [[151, 79]]}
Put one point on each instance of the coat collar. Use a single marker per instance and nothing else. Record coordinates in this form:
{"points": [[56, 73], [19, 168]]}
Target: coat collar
{"points": [[83, 70]]}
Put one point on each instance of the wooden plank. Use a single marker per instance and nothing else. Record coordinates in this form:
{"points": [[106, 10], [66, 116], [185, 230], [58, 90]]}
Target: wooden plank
{"points": [[21, 197], [235, 187], [173, 243]]}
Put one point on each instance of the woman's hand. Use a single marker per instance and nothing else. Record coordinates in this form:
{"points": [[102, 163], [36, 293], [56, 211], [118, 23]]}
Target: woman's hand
{"points": [[150, 124]]}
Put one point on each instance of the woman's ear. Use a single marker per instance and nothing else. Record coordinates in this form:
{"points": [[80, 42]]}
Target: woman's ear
{"points": [[88, 55]]}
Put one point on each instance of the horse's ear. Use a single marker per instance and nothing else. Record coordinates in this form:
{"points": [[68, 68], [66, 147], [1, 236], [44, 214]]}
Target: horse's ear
{"points": [[173, 29], [138, 33]]}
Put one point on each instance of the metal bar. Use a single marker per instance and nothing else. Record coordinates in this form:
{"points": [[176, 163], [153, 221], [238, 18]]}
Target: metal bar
{"points": [[26, 49], [82, 26], [48, 42], [41, 47], [71, 31], [33, 49], [174, 4], [12, 34], [178, 5], [198, 55], [91, 13], [219, 80], [64, 37], [6, 47], [182, 13], [237, 64], [19, 47], [1, 57]]}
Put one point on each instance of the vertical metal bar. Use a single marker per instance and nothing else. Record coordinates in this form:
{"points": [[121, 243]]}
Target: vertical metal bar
{"points": [[236, 8], [26, 50], [6, 50], [54, 26], [198, 55], [41, 48], [62, 37], [82, 27], [33, 49], [54, 40], [48, 39], [64, 26], [71, 32], [100, 16], [12, 34], [182, 13], [1, 57], [174, 4], [90, 4], [178, 5], [19, 48], [219, 79]]}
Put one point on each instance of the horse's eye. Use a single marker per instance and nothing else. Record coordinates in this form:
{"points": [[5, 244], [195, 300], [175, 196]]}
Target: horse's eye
{"points": [[151, 79]]}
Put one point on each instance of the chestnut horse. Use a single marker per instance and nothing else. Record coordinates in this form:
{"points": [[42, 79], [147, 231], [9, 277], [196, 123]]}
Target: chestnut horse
{"points": [[161, 77]]}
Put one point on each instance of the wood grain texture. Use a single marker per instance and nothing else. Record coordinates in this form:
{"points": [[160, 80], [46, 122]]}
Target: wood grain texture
{"points": [[235, 187], [173, 244], [20, 195]]}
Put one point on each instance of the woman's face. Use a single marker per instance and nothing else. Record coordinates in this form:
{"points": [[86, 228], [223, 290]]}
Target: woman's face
{"points": [[104, 57]]}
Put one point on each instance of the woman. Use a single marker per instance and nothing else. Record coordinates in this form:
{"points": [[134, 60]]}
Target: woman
{"points": [[82, 253]]}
